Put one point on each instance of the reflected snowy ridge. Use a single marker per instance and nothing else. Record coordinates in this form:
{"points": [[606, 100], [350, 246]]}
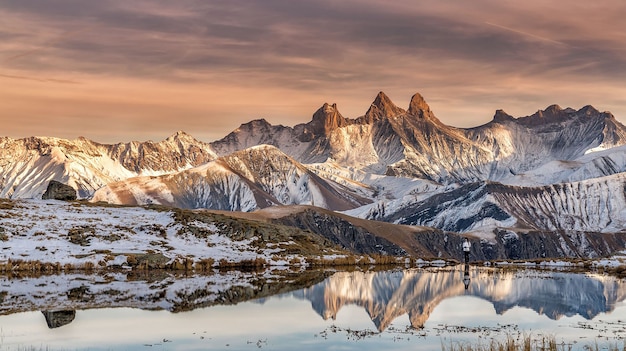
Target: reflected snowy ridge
{"points": [[384, 295], [388, 295]]}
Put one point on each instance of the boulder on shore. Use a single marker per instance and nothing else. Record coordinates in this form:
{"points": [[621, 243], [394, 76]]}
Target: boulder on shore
{"points": [[59, 191]]}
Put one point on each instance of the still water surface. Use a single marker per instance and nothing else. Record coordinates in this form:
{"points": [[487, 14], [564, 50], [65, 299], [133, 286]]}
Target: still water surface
{"points": [[422, 308]]}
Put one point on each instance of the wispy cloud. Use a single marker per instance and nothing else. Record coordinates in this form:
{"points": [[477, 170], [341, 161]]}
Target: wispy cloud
{"points": [[526, 34], [64, 81]]}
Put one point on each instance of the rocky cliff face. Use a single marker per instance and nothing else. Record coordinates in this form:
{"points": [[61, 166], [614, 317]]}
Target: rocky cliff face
{"points": [[178, 152], [342, 232]]}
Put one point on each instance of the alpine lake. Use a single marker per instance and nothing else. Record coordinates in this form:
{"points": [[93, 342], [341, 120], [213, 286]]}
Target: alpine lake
{"points": [[422, 308]]}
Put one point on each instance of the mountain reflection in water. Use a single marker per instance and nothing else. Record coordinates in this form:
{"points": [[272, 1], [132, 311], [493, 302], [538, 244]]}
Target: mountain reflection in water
{"points": [[384, 295], [388, 295]]}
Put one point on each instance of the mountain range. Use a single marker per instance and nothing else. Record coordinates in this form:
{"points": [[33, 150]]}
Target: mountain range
{"points": [[557, 170]]}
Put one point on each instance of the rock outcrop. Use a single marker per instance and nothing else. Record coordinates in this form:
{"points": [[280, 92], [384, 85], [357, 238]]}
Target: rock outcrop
{"points": [[59, 191]]}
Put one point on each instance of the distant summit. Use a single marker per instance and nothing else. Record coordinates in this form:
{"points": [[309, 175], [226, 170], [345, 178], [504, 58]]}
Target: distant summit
{"points": [[418, 107], [382, 107], [501, 116], [552, 114], [326, 119]]}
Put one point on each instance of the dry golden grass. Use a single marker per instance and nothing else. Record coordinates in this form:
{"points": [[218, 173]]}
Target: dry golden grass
{"points": [[6, 204], [31, 266], [357, 260], [204, 265], [526, 343], [618, 271]]}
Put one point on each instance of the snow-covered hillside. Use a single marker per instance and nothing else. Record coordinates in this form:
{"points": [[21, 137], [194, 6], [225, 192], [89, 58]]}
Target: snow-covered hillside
{"points": [[594, 205], [27, 165], [246, 180], [81, 235], [53, 236], [593, 164]]}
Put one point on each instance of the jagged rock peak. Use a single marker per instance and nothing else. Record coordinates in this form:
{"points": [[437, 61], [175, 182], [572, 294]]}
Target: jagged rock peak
{"points": [[180, 135], [382, 107], [253, 125], [588, 110], [418, 107], [550, 112], [502, 116], [326, 119], [256, 122], [384, 103]]}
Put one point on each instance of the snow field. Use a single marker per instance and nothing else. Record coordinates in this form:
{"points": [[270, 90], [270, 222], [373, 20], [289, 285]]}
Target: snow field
{"points": [[77, 234]]}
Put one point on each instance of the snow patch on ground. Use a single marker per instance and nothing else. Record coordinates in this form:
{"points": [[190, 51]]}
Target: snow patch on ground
{"points": [[72, 233]]}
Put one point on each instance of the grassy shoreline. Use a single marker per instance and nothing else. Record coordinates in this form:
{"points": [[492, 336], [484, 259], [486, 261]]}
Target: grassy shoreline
{"points": [[527, 343]]}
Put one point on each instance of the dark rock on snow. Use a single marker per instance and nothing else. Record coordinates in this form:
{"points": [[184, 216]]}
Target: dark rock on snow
{"points": [[59, 191]]}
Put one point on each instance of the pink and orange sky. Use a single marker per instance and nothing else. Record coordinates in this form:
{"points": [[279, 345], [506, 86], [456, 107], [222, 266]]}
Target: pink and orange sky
{"points": [[119, 70]]}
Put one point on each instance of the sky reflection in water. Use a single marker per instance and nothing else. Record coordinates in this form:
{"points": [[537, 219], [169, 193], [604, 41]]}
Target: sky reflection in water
{"points": [[371, 311]]}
